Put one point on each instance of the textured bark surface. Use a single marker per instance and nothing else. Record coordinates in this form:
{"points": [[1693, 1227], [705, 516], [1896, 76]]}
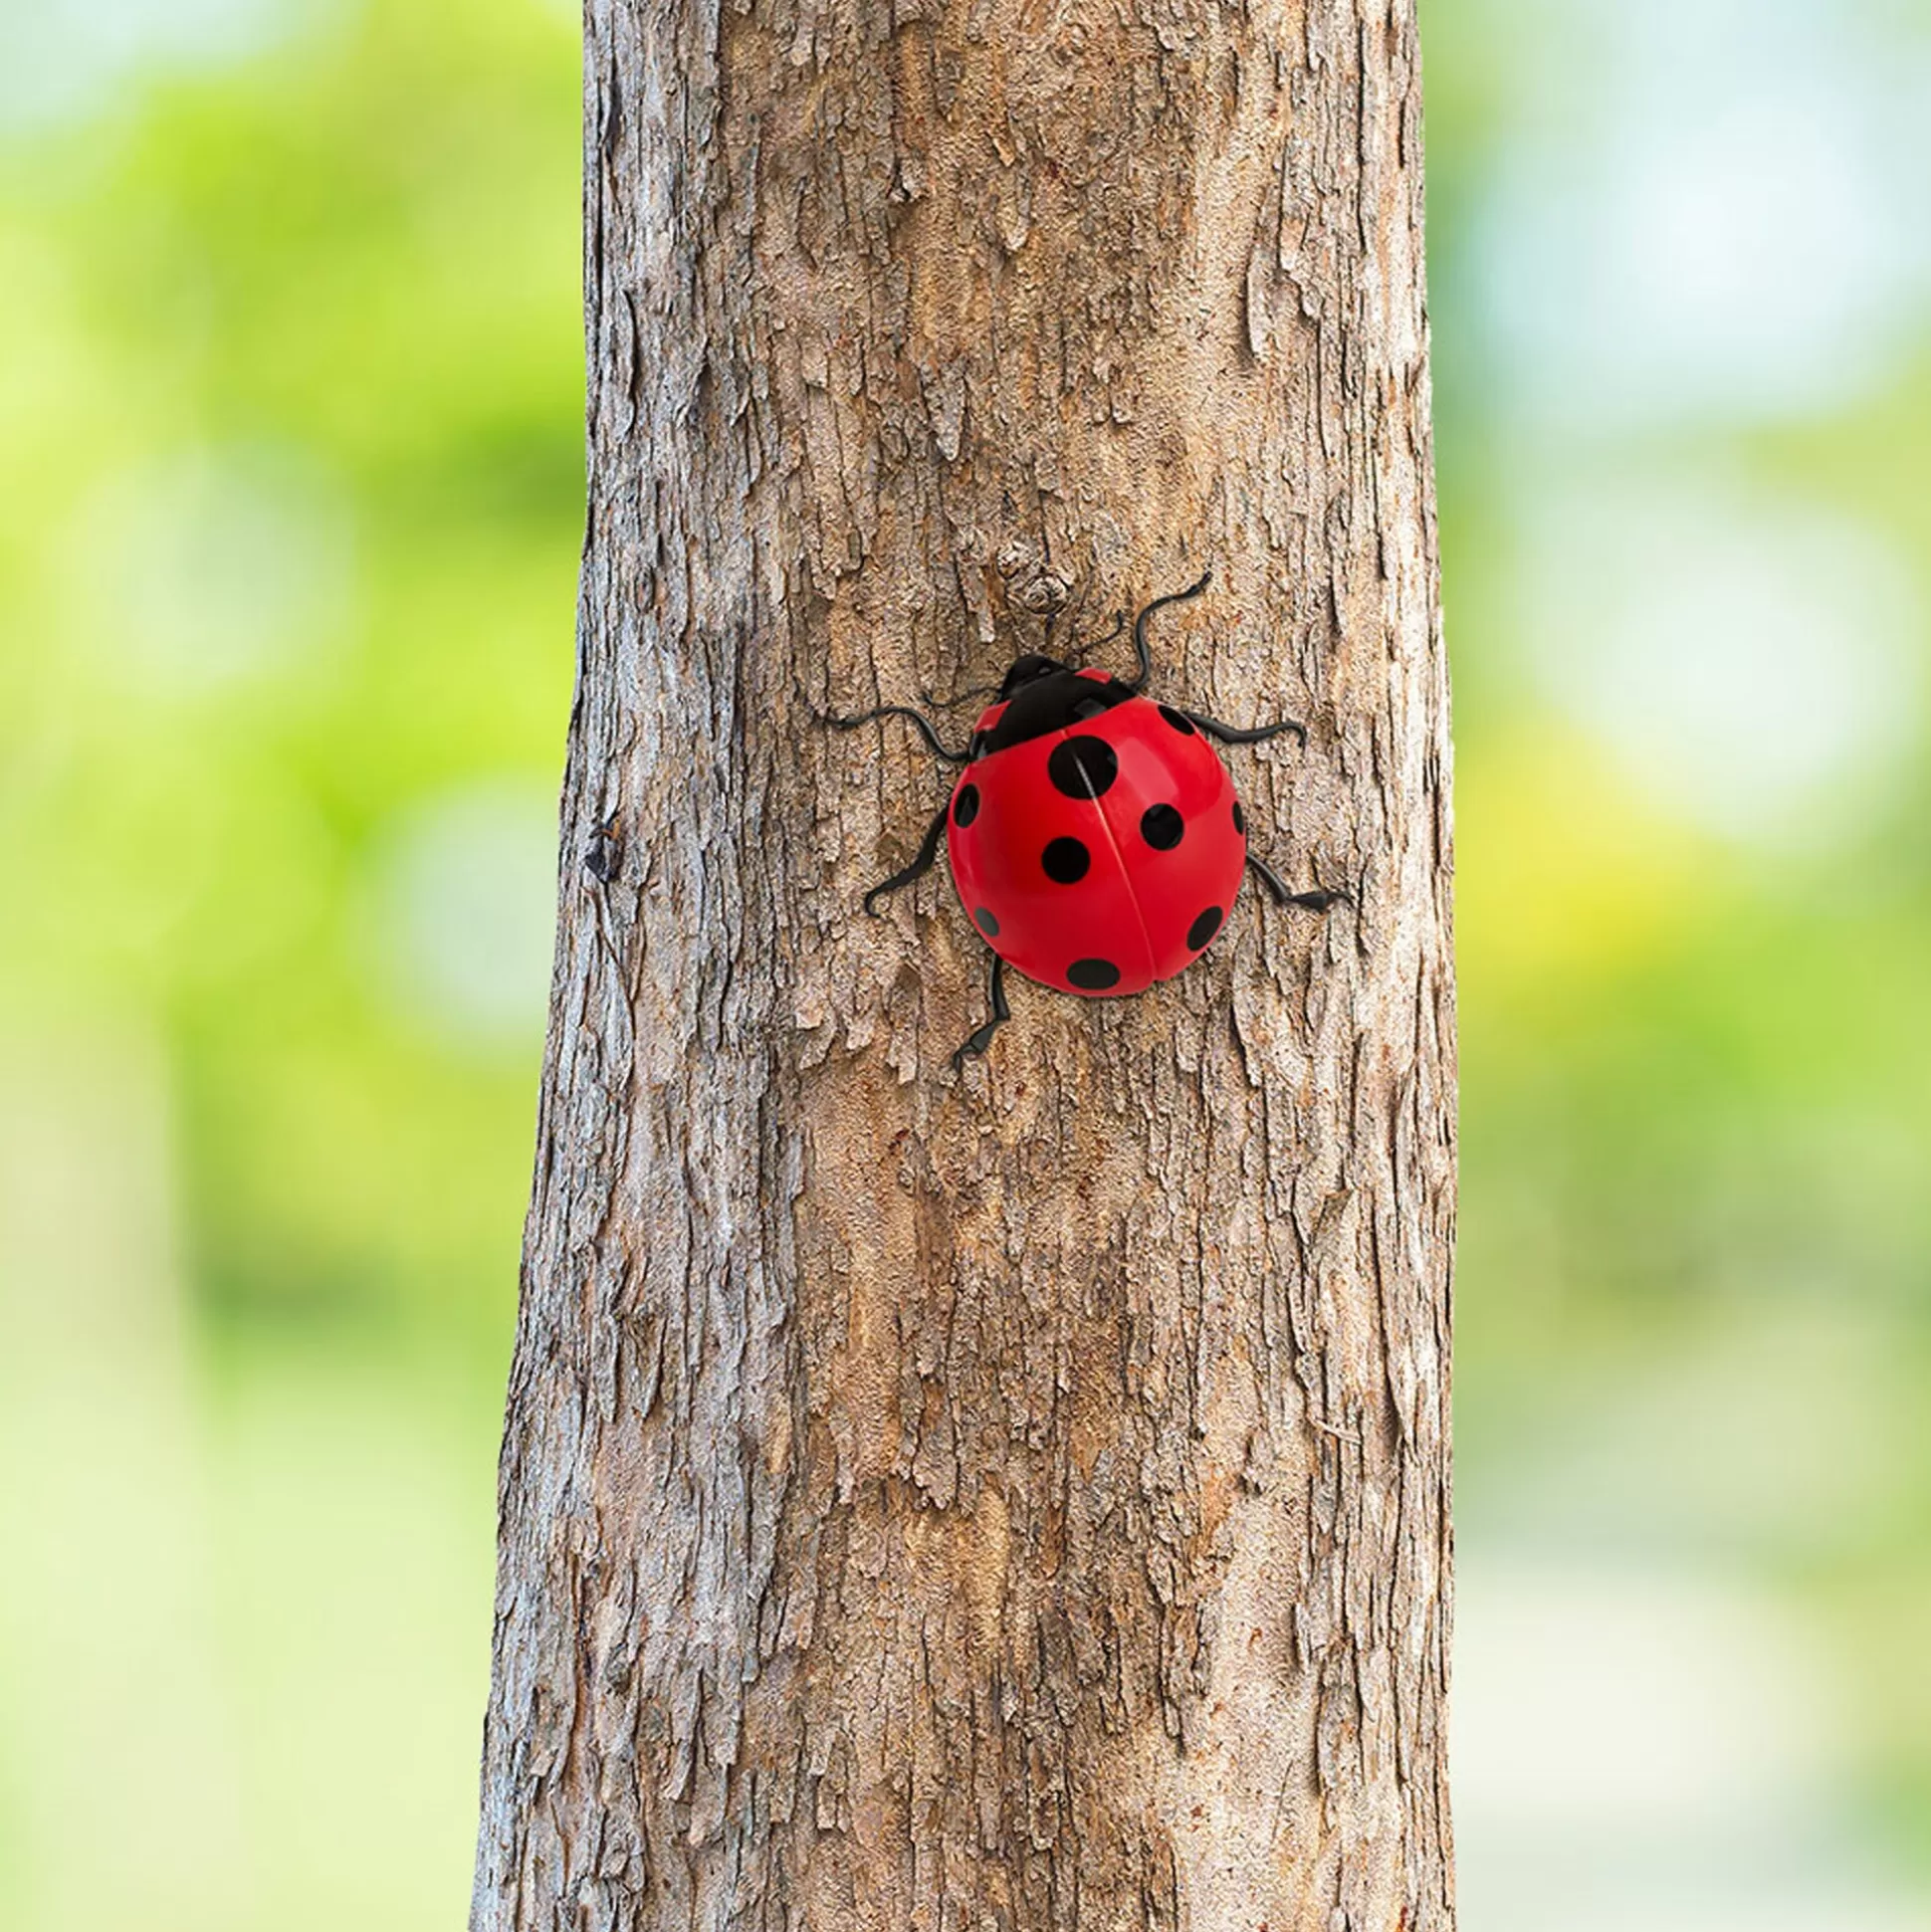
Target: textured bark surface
{"points": [[1020, 1499]]}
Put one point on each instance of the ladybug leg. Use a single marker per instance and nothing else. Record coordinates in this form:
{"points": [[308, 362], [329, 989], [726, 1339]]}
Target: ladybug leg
{"points": [[1234, 735], [1313, 902], [927, 728], [1140, 649], [978, 1042], [919, 866]]}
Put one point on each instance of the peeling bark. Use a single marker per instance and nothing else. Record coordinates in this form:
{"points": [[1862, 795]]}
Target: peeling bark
{"points": [[1014, 1500]]}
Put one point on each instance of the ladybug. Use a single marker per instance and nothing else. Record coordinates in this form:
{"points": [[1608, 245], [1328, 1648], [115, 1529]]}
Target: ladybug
{"points": [[1094, 836]]}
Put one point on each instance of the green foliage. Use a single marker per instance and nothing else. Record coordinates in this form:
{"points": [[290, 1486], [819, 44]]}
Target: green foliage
{"points": [[293, 469], [290, 460]]}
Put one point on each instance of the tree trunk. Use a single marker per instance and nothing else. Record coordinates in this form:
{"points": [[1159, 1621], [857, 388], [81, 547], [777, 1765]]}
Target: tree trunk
{"points": [[1016, 1499]]}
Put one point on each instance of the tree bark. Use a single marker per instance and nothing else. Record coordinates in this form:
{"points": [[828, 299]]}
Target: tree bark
{"points": [[1016, 1499]]}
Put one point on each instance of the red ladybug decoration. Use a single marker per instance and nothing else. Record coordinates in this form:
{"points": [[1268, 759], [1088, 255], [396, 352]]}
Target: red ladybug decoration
{"points": [[1094, 835]]}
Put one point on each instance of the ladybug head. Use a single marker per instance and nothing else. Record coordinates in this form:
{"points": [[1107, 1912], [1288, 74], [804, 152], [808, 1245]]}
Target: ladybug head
{"points": [[1041, 694], [1027, 670]]}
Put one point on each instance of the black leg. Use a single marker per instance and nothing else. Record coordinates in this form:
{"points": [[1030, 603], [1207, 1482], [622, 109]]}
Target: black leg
{"points": [[1313, 902], [926, 859], [926, 730], [1233, 734], [1140, 649], [979, 1042]]}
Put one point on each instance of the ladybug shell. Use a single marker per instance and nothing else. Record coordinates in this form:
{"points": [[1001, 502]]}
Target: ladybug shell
{"points": [[1100, 857]]}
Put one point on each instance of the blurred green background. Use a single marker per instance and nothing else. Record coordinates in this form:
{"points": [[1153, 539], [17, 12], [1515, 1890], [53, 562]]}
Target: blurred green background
{"points": [[290, 500]]}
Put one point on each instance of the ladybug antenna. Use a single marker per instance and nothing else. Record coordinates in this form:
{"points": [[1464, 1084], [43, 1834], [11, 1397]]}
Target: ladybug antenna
{"points": [[1086, 656], [926, 728], [1139, 650]]}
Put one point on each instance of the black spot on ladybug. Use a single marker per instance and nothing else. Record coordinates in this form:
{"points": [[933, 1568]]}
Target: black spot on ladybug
{"points": [[1178, 720], [1240, 819], [1066, 861], [1093, 976], [1083, 768], [966, 805], [1205, 927], [1162, 827], [987, 922]]}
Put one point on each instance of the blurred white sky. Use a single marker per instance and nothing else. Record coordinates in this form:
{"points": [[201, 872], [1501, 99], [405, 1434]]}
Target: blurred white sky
{"points": [[1707, 210], [62, 58], [1708, 217], [1753, 659], [1648, 1749]]}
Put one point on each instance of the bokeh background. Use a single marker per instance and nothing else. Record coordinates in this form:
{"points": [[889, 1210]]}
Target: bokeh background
{"points": [[290, 500]]}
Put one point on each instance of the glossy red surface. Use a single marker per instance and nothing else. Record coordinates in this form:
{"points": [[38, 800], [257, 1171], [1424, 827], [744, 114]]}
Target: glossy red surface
{"points": [[1137, 907]]}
